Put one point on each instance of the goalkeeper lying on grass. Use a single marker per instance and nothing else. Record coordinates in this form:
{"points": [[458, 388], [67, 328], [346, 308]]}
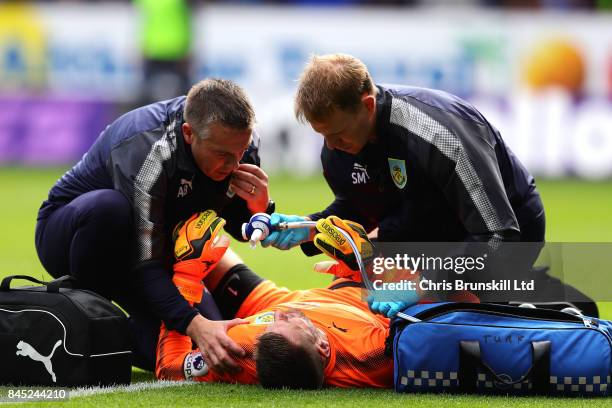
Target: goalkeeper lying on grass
{"points": [[296, 339]]}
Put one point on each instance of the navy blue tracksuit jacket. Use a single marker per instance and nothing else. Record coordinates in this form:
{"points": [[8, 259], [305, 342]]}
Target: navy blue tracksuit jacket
{"points": [[143, 155], [437, 172]]}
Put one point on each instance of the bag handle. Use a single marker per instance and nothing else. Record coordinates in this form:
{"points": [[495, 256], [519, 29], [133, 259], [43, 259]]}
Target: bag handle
{"points": [[52, 287], [470, 359], [6, 282], [65, 281]]}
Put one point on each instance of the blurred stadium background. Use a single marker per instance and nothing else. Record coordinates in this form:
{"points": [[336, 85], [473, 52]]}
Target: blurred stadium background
{"points": [[541, 71]]}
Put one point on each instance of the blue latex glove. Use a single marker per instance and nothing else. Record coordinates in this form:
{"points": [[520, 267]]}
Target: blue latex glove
{"points": [[391, 307], [388, 309], [285, 239]]}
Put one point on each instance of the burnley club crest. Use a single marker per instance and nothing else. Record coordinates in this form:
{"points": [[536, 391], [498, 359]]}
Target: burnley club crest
{"points": [[398, 172]]}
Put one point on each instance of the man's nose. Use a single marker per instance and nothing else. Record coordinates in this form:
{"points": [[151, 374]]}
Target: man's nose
{"points": [[232, 164]]}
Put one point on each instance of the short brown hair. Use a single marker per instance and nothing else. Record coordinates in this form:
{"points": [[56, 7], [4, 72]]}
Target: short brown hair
{"points": [[281, 363], [329, 82], [218, 101]]}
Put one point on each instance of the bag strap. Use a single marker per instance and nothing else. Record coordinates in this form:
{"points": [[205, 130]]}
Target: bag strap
{"points": [[6, 282], [540, 372], [52, 287], [470, 359], [66, 281]]}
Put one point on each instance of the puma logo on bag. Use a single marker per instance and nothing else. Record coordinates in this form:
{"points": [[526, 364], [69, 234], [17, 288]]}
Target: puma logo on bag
{"points": [[24, 349]]}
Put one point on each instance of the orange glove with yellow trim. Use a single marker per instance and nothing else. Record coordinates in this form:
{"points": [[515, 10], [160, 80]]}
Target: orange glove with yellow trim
{"points": [[333, 243], [197, 250]]}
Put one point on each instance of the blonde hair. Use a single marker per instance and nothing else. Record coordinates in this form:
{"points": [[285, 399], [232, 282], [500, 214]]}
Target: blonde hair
{"points": [[330, 82]]}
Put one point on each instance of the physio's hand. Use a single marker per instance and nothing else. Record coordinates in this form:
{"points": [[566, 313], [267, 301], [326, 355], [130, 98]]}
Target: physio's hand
{"points": [[390, 308], [250, 183], [389, 302], [285, 239], [333, 243], [216, 346], [197, 249]]}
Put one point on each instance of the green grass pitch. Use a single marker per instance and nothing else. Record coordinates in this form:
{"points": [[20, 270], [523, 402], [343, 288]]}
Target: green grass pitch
{"points": [[577, 211]]}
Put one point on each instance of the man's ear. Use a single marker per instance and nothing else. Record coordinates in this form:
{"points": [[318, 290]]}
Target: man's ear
{"points": [[369, 101], [323, 348], [188, 133]]}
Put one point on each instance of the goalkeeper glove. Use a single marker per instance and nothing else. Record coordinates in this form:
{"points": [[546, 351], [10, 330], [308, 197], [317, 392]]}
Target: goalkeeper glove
{"points": [[333, 243], [197, 250], [338, 270]]}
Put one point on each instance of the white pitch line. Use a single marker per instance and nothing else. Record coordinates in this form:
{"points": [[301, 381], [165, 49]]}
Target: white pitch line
{"points": [[141, 386]]}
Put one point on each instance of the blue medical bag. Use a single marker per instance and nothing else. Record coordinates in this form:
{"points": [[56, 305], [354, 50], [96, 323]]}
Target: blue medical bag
{"points": [[490, 348]]}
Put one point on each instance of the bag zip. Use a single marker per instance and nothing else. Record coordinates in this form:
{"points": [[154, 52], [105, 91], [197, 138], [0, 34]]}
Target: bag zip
{"points": [[585, 323], [491, 308], [580, 321]]}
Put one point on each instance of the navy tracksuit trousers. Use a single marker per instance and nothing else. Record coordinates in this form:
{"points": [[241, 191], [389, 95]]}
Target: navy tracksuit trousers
{"points": [[90, 238]]}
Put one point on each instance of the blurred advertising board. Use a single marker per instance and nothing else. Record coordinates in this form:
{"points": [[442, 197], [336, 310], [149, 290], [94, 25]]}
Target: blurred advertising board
{"points": [[49, 131], [544, 79]]}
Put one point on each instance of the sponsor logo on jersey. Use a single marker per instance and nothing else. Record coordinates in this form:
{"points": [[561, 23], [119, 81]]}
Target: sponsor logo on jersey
{"points": [[360, 174], [398, 172], [185, 188], [342, 329]]}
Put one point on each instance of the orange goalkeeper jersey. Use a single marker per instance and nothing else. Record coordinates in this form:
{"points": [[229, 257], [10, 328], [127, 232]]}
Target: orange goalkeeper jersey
{"points": [[356, 337]]}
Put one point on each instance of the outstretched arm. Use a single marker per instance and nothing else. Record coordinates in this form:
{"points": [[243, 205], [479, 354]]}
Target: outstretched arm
{"points": [[198, 249]]}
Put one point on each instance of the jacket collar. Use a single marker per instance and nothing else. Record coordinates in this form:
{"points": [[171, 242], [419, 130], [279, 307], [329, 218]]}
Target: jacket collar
{"points": [[185, 158], [383, 113]]}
